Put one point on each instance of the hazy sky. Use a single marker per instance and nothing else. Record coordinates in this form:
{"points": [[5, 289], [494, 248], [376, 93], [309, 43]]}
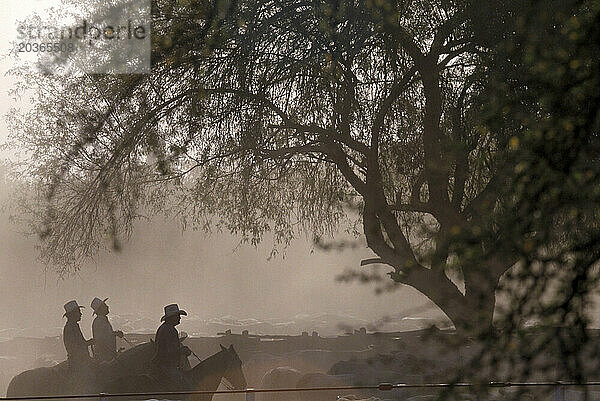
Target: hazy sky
{"points": [[12, 11], [207, 275], [162, 265]]}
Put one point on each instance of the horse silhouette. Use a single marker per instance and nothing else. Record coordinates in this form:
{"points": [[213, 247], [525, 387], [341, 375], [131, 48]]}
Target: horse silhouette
{"points": [[58, 380], [205, 376], [130, 373]]}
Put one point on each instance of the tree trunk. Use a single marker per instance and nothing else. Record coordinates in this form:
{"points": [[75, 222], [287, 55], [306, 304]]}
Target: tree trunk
{"points": [[476, 315], [472, 312]]}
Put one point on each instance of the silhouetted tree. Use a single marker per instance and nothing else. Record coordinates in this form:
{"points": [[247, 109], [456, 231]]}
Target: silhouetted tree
{"points": [[280, 116]]}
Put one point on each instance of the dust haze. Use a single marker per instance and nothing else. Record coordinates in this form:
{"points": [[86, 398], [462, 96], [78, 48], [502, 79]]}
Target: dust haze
{"points": [[211, 276]]}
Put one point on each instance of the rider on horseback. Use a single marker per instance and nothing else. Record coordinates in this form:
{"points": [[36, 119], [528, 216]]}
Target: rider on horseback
{"points": [[78, 356], [169, 349], [105, 348]]}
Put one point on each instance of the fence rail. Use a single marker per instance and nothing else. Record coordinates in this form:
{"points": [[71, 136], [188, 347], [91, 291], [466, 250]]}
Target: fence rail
{"points": [[559, 385]]}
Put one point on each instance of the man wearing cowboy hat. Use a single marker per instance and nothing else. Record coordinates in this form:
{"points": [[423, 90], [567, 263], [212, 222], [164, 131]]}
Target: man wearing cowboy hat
{"points": [[105, 347], [168, 347], [75, 344], [78, 356]]}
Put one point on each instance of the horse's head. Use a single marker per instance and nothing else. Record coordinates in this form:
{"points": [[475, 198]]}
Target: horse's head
{"points": [[208, 374], [233, 368]]}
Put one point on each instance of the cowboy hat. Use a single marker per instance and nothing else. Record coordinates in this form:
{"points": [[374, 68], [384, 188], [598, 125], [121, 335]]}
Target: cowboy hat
{"points": [[96, 303], [71, 306], [172, 310]]}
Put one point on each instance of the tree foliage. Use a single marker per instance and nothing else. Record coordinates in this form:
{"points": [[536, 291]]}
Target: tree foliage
{"points": [[545, 79], [280, 116]]}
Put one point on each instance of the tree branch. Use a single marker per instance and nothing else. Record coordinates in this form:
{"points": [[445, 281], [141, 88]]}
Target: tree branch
{"points": [[407, 42], [444, 31], [338, 156], [485, 198], [386, 104]]}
